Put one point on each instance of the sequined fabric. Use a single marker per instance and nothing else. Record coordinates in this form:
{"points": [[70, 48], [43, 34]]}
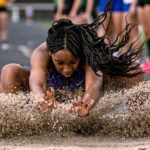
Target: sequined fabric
{"points": [[67, 88]]}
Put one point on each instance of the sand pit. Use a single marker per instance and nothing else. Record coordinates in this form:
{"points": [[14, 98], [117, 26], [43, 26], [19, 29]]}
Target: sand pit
{"points": [[120, 120], [73, 142]]}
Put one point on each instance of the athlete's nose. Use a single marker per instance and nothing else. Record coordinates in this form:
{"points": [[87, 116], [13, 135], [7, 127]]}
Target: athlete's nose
{"points": [[67, 70]]}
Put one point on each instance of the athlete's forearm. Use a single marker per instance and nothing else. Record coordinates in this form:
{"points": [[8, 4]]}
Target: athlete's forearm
{"points": [[37, 87], [37, 90], [94, 92]]}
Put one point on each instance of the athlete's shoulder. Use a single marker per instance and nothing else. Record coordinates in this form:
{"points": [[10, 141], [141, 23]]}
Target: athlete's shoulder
{"points": [[41, 50], [41, 53]]}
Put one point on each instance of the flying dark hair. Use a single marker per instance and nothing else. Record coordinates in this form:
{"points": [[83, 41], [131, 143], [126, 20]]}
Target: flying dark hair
{"points": [[84, 43]]}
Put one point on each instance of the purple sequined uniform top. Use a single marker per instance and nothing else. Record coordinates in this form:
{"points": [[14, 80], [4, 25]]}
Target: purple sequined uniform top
{"points": [[67, 88]]}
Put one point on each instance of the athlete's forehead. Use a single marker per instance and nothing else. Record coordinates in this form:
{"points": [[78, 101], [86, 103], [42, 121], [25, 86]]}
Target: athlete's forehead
{"points": [[64, 55]]}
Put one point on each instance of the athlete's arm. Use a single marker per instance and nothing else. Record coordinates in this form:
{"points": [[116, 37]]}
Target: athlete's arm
{"points": [[93, 89], [38, 76]]}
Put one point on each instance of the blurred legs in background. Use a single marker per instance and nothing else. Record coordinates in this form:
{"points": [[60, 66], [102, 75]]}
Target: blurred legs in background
{"points": [[143, 12], [3, 28]]}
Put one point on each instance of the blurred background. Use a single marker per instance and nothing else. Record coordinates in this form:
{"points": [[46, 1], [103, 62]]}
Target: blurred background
{"points": [[39, 10], [24, 23], [23, 26]]}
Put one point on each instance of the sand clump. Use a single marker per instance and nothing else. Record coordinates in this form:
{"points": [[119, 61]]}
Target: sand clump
{"points": [[118, 113]]}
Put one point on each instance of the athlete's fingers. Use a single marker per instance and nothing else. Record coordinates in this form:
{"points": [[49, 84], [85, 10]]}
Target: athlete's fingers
{"points": [[74, 102], [79, 101], [82, 112], [86, 107], [52, 92], [45, 97], [85, 98], [89, 105]]}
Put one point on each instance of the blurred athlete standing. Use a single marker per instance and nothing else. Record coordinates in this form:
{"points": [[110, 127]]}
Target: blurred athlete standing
{"points": [[143, 13], [4, 23]]}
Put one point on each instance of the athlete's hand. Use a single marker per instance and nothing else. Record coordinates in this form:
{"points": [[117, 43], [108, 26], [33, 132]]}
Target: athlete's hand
{"points": [[81, 107], [49, 101], [86, 104]]}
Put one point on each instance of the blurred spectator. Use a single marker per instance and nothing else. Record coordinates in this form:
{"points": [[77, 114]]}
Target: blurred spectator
{"points": [[66, 8], [15, 14], [143, 13], [123, 11], [79, 11], [133, 18], [4, 23], [29, 12], [95, 9], [85, 13], [119, 10]]}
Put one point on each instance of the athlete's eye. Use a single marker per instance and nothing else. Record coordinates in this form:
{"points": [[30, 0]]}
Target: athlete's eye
{"points": [[60, 63], [74, 61]]}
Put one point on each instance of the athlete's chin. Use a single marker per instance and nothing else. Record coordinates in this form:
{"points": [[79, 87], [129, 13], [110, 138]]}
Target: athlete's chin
{"points": [[67, 75]]}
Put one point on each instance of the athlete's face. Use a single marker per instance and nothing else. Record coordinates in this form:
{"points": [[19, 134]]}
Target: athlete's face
{"points": [[65, 62]]}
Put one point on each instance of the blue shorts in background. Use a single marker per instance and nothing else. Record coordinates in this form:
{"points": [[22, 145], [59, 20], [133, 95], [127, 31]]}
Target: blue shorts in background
{"points": [[117, 5]]}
